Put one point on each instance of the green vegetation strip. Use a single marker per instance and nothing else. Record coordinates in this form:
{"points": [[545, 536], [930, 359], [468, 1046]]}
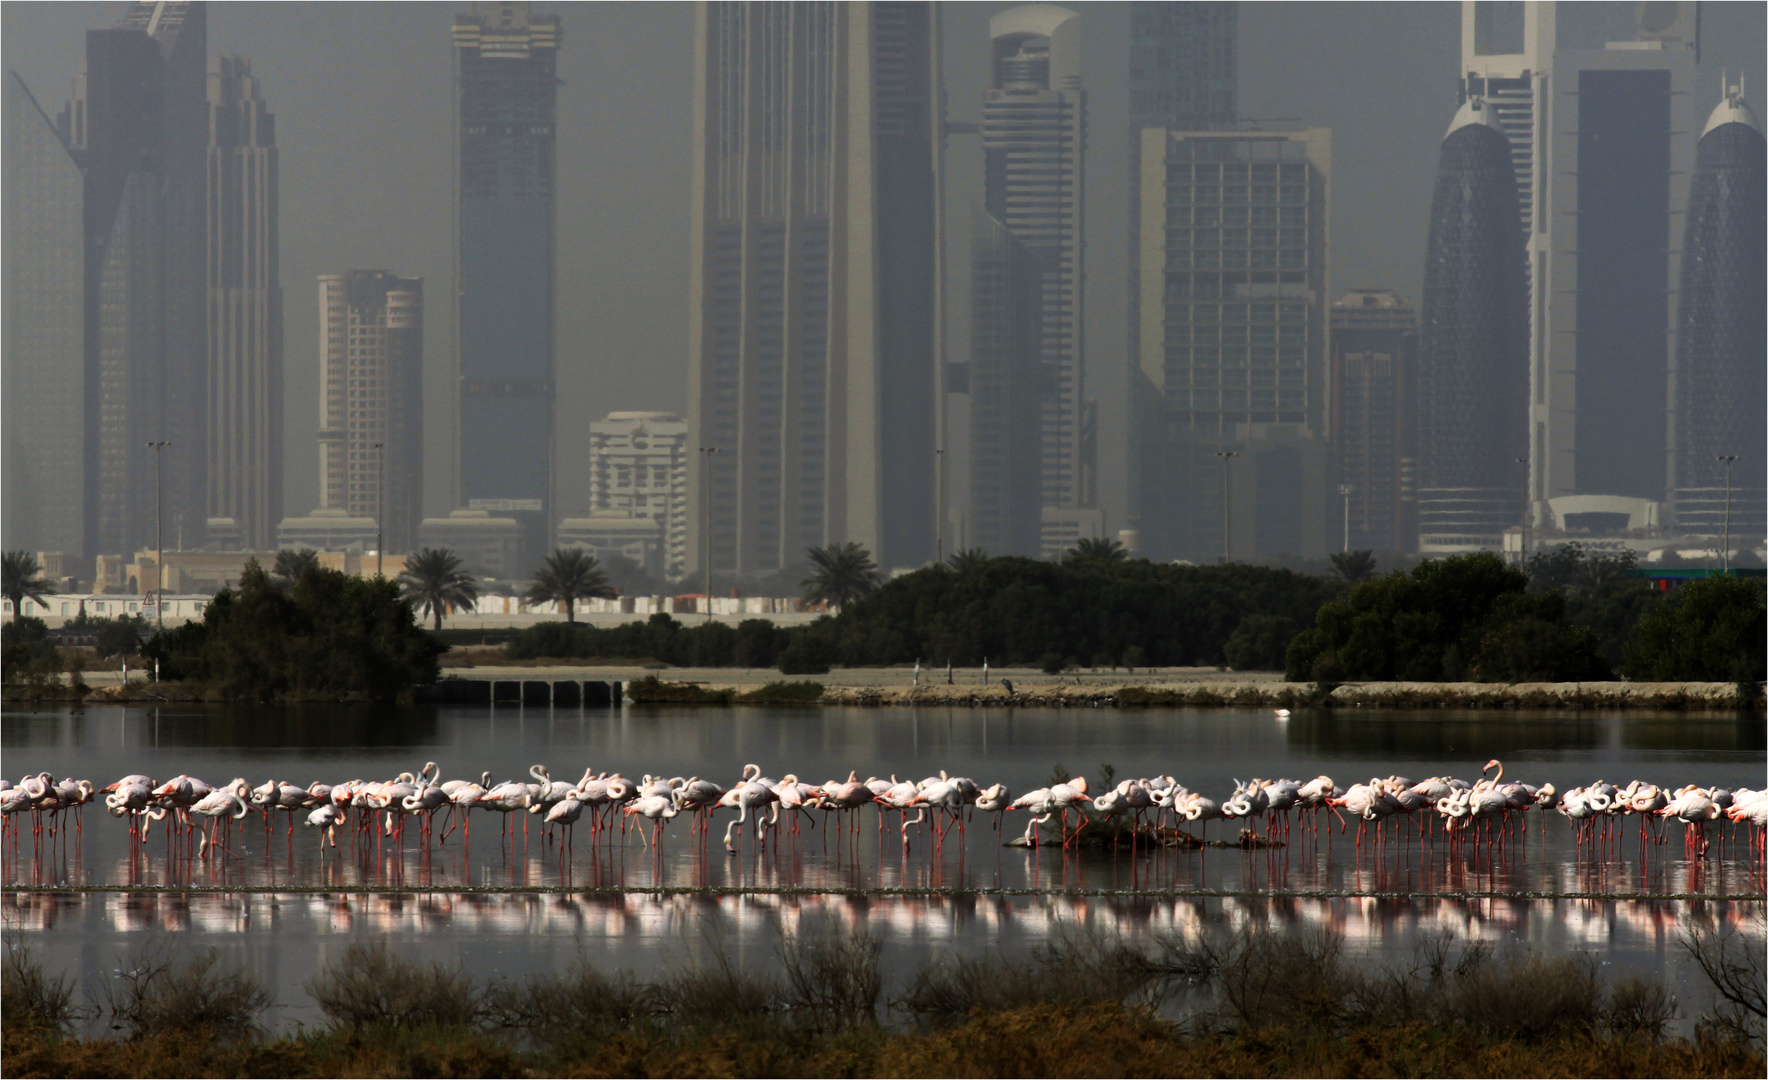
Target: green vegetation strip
{"points": [[880, 891]]}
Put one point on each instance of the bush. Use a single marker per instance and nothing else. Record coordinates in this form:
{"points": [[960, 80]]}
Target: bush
{"points": [[32, 997], [156, 992], [1710, 630], [1260, 642], [372, 987], [651, 690], [1464, 617], [1052, 663], [759, 644], [330, 638], [784, 693], [806, 654]]}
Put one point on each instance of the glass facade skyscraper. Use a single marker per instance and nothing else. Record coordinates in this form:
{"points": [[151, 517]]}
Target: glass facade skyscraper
{"points": [[1006, 391], [1034, 134], [1473, 378], [42, 338], [1718, 385], [814, 300], [138, 126], [506, 84], [245, 307]]}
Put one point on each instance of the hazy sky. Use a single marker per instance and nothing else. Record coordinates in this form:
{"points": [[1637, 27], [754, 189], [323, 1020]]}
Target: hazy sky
{"points": [[361, 97]]}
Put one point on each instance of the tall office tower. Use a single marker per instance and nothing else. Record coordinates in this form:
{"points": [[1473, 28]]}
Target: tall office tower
{"points": [[638, 468], [1183, 63], [1034, 117], [139, 129], [1601, 162], [1235, 282], [42, 339], [371, 400], [1719, 384], [1473, 345], [1373, 402], [245, 308], [1006, 386], [813, 298], [506, 87]]}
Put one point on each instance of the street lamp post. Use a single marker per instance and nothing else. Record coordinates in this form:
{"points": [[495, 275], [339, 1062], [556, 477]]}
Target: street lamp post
{"points": [[939, 506], [1227, 456], [706, 453], [380, 505], [1527, 506], [159, 544], [1345, 490], [1725, 551]]}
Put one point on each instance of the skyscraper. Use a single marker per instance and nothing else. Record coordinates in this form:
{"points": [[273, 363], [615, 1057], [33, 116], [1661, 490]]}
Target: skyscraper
{"points": [[813, 297], [371, 391], [1601, 166], [1473, 344], [506, 86], [1006, 387], [1373, 401], [1719, 386], [245, 308], [42, 339], [1234, 282], [1183, 64], [1034, 117], [138, 127]]}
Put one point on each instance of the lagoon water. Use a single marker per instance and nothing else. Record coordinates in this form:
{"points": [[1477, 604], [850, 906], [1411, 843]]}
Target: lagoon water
{"points": [[285, 905]]}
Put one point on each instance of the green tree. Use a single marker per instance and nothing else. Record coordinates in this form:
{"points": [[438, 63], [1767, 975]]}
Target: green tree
{"points": [[967, 559], [26, 653], [1710, 630], [1260, 642], [433, 582], [1098, 547], [330, 638], [21, 578], [840, 574], [290, 565], [567, 576], [1353, 566], [1445, 619]]}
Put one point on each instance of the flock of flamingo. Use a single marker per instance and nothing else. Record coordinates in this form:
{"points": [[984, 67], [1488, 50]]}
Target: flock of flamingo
{"points": [[1140, 809]]}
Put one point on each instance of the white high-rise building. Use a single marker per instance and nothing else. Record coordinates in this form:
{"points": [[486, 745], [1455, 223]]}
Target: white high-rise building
{"points": [[371, 399], [638, 468], [1034, 117], [1597, 101]]}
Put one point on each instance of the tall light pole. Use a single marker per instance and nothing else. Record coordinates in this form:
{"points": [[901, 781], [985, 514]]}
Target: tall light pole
{"points": [[1345, 490], [939, 506], [380, 504], [706, 453], [1527, 506], [1725, 552], [159, 544], [1227, 457]]}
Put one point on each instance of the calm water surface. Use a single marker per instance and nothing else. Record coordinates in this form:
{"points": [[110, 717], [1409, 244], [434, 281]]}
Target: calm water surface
{"points": [[1381, 899]]}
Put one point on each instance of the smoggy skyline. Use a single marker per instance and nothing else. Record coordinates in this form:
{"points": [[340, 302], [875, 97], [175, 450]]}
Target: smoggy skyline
{"points": [[363, 100]]}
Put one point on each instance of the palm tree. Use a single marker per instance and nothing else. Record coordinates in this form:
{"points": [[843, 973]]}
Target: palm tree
{"points": [[22, 579], [292, 565], [433, 581], [840, 574], [1098, 547], [1354, 566], [569, 575], [966, 559]]}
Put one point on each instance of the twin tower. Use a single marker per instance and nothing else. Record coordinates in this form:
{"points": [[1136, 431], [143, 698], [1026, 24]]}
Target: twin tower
{"points": [[1592, 342]]}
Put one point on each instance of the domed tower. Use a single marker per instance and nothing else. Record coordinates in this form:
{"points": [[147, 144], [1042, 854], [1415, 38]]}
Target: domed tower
{"points": [[1473, 382], [1721, 355]]}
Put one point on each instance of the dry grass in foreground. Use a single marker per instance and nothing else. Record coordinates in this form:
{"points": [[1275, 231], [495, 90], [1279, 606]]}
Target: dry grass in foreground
{"points": [[1265, 1004]]}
